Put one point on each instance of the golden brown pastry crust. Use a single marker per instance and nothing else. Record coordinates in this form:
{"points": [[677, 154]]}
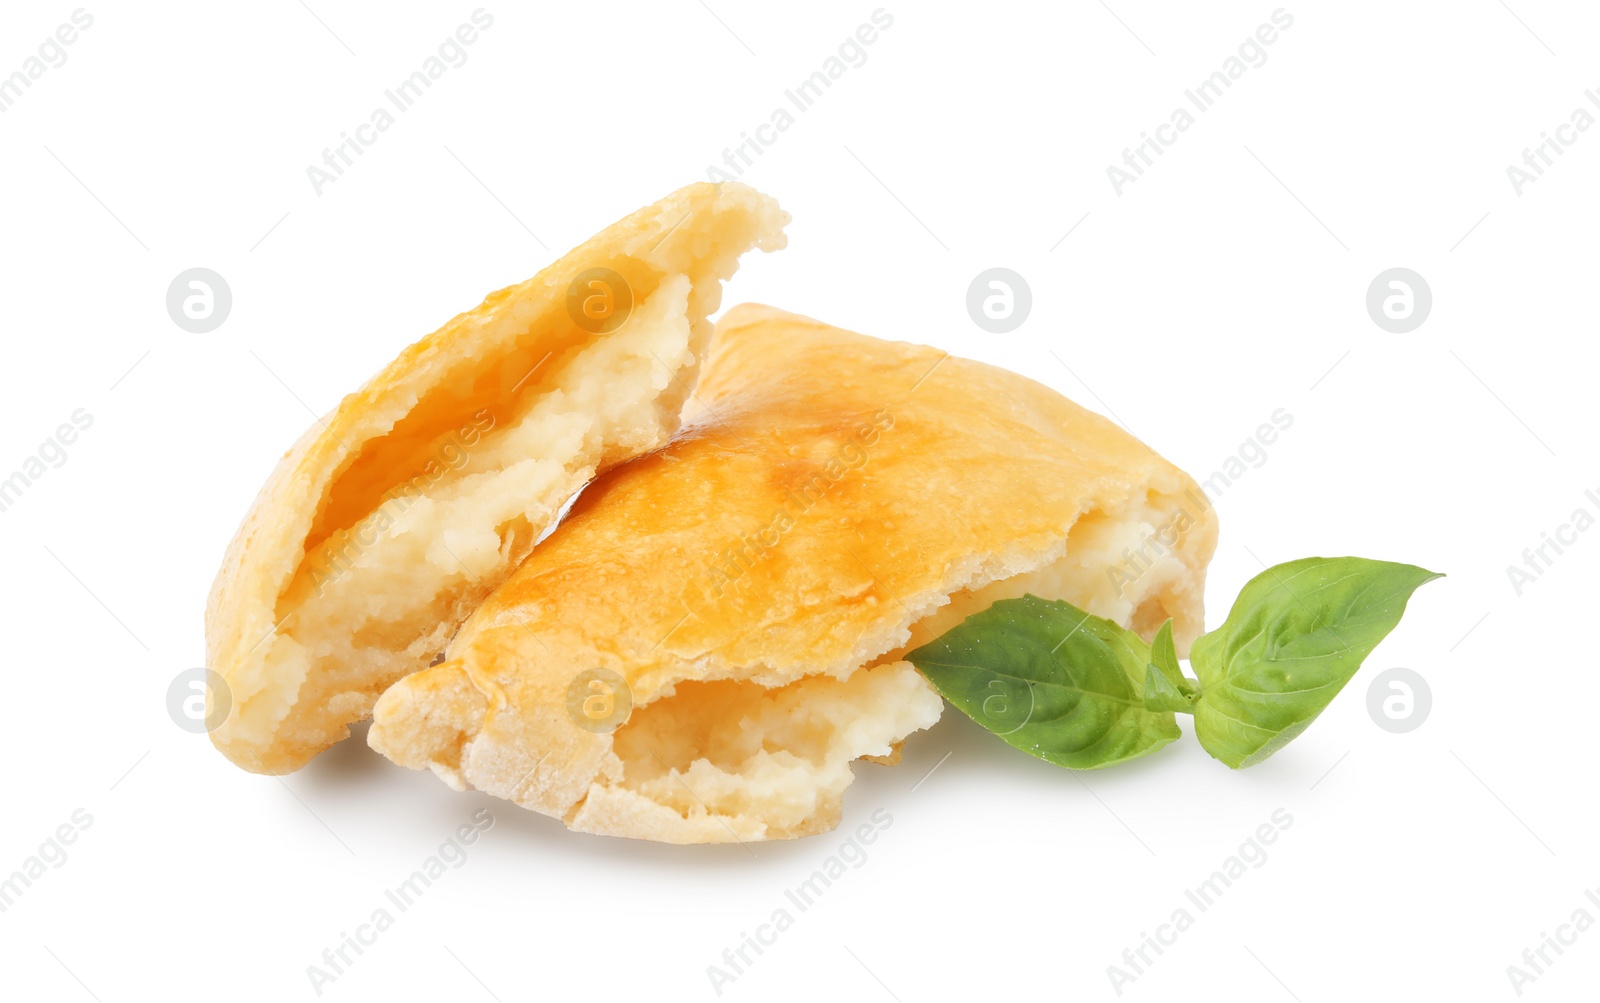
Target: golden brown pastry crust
{"points": [[831, 490], [430, 388]]}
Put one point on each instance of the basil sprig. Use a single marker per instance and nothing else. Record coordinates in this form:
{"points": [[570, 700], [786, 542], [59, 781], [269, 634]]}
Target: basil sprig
{"points": [[1080, 691], [1052, 680], [1297, 633]]}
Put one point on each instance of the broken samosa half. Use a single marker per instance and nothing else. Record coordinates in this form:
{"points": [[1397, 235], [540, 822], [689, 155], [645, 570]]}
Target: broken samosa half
{"points": [[717, 629], [391, 519]]}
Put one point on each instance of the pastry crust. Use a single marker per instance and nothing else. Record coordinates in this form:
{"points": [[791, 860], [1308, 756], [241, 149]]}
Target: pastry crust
{"points": [[755, 583], [390, 519]]}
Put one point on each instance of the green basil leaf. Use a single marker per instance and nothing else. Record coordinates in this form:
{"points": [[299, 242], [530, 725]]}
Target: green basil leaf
{"points": [[1161, 695], [1297, 633], [1051, 680], [1165, 686], [1164, 656]]}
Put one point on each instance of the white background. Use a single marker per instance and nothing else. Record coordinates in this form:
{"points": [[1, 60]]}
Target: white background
{"points": [[1227, 282]]}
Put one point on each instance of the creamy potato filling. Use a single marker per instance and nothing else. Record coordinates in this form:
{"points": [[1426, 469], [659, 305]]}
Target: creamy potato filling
{"points": [[400, 576], [774, 757]]}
